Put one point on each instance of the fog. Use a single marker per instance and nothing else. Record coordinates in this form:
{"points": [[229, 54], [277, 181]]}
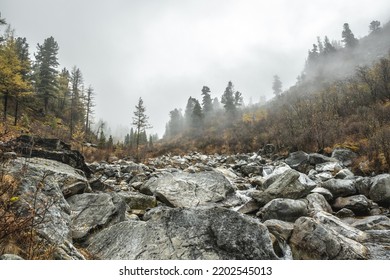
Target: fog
{"points": [[166, 51]]}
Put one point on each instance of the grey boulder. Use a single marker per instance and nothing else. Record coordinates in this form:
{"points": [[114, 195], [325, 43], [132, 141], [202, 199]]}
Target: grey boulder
{"points": [[201, 233]]}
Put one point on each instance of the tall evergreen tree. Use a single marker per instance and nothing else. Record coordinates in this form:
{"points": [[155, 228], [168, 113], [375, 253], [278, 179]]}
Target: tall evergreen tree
{"points": [[46, 70], [228, 99], [349, 39], [188, 112], [76, 114], [328, 47], [141, 123], [64, 92], [207, 102], [196, 116], [277, 85], [175, 124]]}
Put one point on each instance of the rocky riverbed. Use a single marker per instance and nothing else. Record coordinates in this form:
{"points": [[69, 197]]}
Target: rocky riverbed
{"points": [[243, 206]]}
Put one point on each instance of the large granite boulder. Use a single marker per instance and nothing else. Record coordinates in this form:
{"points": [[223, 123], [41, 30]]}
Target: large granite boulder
{"points": [[54, 149], [283, 209], [90, 212], [380, 189], [312, 240], [288, 185], [198, 233], [340, 187], [182, 189], [359, 204]]}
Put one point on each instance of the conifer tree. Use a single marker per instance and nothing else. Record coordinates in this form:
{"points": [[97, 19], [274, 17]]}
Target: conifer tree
{"points": [[228, 100], [46, 70], [207, 102], [349, 39], [277, 86], [141, 123]]}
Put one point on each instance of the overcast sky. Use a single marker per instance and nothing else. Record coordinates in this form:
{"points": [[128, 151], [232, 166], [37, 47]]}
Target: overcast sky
{"points": [[166, 50]]}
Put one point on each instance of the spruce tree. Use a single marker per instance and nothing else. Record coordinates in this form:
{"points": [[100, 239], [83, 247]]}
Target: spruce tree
{"points": [[141, 123], [348, 38], [46, 70], [207, 102], [228, 99]]}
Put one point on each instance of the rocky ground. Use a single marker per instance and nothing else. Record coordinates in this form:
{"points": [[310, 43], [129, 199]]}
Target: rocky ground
{"points": [[244, 206]]}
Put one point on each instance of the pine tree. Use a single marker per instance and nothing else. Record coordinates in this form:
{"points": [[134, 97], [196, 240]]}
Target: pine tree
{"points": [[141, 123], [207, 102], [45, 70], [188, 112], [349, 39], [228, 99], [328, 47], [196, 116]]}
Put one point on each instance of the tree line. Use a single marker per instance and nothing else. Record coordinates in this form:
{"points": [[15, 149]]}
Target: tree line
{"points": [[37, 89], [317, 114]]}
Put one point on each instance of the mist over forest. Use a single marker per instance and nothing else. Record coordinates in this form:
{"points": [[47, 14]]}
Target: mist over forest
{"points": [[218, 156], [340, 81]]}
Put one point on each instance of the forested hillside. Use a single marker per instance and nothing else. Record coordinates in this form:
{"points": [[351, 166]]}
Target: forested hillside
{"points": [[38, 95], [341, 98]]}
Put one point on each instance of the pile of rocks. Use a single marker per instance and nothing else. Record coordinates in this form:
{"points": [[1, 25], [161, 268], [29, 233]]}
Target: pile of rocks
{"points": [[244, 206]]}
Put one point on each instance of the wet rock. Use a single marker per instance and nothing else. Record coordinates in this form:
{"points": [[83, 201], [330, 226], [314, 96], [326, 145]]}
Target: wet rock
{"points": [[298, 161], [380, 189], [333, 167], [315, 159], [181, 189], [90, 212], [359, 204], [41, 184], [344, 174], [339, 226], [53, 149], [286, 185], [203, 233], [312, 240], [281, 229], [283, 209], [251, 169], [316, 203], [345, 213], [378, 222], [340, 187], [346, 156], [324, 192], [138, 200]]}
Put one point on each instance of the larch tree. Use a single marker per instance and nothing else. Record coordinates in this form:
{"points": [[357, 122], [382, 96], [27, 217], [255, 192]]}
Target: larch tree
{"points": [[11, 78], [141, 123], [22, 49]]}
